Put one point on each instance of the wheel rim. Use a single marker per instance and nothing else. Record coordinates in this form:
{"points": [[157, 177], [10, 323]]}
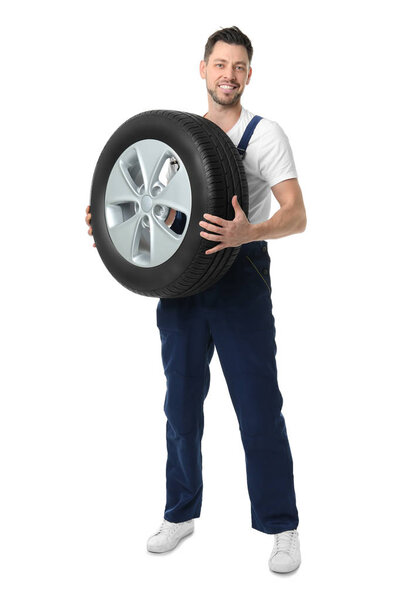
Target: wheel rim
{"points": [[147, 179]]}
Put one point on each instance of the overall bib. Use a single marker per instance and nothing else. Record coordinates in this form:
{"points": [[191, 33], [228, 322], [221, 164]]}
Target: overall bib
{"points": [[235, 316]]}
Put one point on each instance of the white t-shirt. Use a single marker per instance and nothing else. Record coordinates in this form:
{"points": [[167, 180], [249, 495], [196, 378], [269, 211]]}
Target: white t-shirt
{"points": [[268, 160]]}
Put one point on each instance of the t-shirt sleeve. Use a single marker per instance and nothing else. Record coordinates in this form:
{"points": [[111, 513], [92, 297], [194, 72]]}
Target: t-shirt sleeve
{"points": [[276, 162]]}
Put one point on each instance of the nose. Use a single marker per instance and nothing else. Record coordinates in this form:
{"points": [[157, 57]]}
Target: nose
{"points": [[232, 73]]}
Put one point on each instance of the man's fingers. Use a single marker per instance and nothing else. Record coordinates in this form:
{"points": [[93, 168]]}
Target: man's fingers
{"points": [[214, 219], [87, 220], [210, 236], [209, 227], [171, 217], [215, 249]]}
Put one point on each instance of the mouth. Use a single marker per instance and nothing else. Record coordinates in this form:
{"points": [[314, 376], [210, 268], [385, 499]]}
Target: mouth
{"points": [[226, 87]]}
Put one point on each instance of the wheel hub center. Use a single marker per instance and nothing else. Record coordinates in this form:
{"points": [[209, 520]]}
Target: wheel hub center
{"points": [[146, 203]]}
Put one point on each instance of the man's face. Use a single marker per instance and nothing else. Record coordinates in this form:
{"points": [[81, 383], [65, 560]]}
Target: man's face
{"points": [[226, 73]]}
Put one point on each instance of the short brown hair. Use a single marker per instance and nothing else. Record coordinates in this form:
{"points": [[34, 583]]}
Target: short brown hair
{"points": [[229, 35]]}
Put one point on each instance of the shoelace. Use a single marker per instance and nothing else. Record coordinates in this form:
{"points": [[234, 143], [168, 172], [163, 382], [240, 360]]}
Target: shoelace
{"points": [[167, 527], [285, 541]]}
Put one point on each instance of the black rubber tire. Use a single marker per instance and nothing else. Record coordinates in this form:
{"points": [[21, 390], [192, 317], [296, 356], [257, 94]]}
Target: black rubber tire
{"points": [[216, 174]]}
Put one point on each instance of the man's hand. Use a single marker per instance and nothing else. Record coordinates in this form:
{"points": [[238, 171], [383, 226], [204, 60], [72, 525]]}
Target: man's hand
{"points": [[229, 233], [171, 217], [87, 221]]}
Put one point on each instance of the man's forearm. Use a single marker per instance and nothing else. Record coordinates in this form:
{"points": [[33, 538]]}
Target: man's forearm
{"points": [[284, 222]]}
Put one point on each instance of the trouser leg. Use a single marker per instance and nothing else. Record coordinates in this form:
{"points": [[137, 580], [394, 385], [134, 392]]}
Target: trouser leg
{"points": [[243, 329], [187, 350]]}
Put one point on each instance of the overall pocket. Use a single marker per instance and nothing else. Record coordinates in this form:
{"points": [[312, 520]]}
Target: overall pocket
{"points": [[265, 276]]}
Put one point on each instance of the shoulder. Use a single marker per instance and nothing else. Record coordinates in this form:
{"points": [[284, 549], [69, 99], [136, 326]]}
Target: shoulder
{"points": [[273, 128], [265, 126]]}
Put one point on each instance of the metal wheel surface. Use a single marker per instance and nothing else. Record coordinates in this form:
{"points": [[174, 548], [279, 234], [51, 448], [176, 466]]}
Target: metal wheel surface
{"points": [[147, 180]]}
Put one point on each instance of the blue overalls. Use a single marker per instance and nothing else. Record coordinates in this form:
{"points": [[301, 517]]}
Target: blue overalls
{"points": [[235, 316]]}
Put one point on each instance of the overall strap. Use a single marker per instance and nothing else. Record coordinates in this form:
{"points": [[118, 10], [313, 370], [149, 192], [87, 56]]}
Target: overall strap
{"points": [[242, 145]]}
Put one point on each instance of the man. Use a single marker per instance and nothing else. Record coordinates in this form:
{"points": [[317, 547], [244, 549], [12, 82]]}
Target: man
{"points": [[235, 315]]}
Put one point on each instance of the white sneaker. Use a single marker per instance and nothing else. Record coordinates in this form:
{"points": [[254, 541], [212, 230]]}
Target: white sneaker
{"points": [[168, 535], [285, 556]]}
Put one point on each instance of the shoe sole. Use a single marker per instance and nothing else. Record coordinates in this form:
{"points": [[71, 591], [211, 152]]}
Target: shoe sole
{"points": [[274, 570], [173, 547]]}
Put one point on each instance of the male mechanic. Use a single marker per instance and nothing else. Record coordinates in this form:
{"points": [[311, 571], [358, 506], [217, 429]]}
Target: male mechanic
{"points": [[235, 315]]}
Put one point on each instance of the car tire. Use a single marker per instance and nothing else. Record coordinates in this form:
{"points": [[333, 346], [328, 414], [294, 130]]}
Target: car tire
{"points": [[155, 161]]}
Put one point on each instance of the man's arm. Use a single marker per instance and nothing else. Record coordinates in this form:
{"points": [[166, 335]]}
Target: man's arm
{"points": [[290, 218]]}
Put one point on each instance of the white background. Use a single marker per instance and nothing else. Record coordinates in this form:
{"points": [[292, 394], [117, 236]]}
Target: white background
{"points": [[82, 425]]}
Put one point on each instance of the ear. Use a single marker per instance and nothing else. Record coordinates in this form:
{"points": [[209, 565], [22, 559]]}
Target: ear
{"points": [[202, 69], [249, 75]]}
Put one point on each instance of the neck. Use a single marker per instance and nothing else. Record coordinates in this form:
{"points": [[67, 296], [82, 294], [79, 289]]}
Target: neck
{"points": [[223, 116]]}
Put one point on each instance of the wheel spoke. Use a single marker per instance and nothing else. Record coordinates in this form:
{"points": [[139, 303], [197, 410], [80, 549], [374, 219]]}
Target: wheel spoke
{"points": [[119, 211], [163, 241], [175, 193], [151, 159], [120, 186], [116, 200], [126, 236]]}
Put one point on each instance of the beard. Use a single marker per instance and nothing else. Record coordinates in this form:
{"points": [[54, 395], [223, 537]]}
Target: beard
{"points": [[225, 101]]}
